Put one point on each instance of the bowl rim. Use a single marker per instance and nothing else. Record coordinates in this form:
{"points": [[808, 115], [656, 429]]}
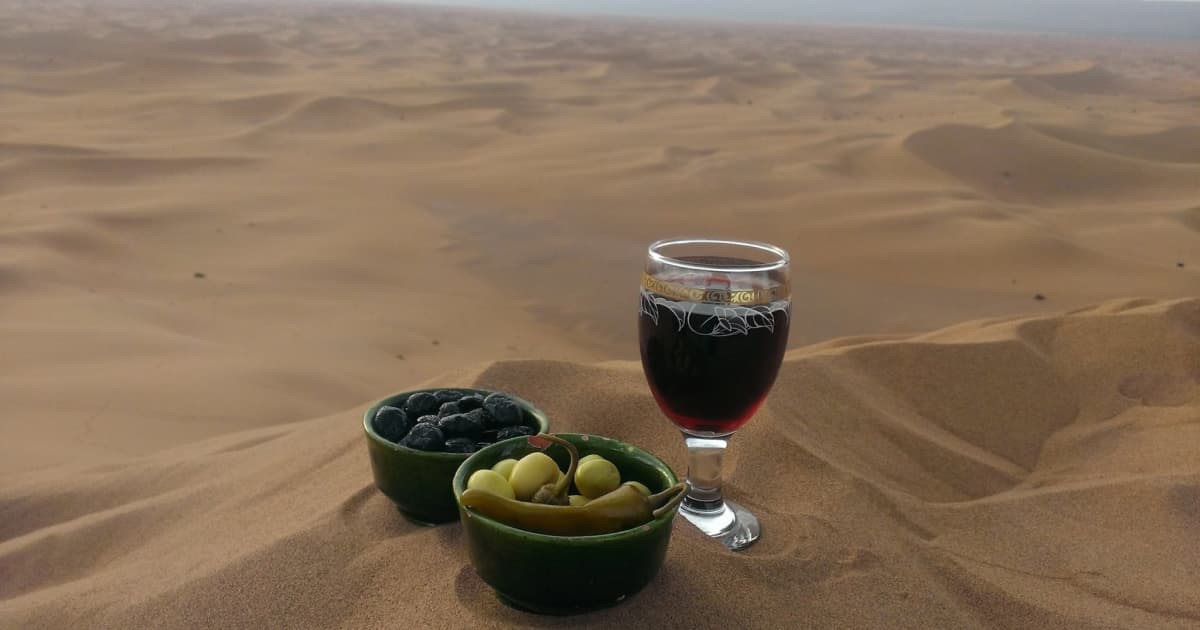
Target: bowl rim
{"points": [[458, 484], [542, 419]]}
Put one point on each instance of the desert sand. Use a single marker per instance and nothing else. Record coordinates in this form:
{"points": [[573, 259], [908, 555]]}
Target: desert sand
{"points": [[225, 231]]}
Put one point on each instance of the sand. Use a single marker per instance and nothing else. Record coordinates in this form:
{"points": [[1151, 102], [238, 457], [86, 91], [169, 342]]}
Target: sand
{"points": [[225, 231]]}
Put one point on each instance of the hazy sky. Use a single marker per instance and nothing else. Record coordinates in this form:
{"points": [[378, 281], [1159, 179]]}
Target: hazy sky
{"points": [[1115, 17]]}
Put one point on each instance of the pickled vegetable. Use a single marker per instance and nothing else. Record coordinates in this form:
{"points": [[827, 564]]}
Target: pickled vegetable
{"points": [[597, 478], [490, 481], [641, 487], [505, 467], [531, 473], [540, 502], [620, 509]]}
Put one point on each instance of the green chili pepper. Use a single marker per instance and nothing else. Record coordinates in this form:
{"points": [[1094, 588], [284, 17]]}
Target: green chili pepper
{"points": [[623, 508], [556, 493]]}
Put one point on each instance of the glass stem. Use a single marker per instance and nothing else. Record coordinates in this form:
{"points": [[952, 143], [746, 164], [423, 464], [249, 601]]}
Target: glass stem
{"points": [[704, 473]]}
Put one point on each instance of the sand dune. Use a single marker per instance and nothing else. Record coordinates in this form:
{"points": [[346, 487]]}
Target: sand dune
{"points": [[105, 171], [235, 45], [336, 114], [1018, 162], [1191, 218], [1089, 78], [11, 151], [954, 478], [1177, 144], [243, 111], [224, 230]]}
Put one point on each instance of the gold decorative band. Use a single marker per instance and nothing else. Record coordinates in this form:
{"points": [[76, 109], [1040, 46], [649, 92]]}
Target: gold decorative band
{"points": [[740, 297]]}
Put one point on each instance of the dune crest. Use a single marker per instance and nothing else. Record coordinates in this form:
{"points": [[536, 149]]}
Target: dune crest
{"points": [[1176, 144], [1017, 161], [335, 114], [1084, 78]]}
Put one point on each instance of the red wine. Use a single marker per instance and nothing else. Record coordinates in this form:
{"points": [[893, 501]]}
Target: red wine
{"points": [[710, 363]]}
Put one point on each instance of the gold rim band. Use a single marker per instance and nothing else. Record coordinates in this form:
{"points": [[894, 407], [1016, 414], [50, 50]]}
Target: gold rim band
{"points": [[740, 297]]}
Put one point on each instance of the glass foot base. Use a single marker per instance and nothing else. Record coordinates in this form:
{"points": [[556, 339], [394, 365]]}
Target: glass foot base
{"points": [[732, 524]]}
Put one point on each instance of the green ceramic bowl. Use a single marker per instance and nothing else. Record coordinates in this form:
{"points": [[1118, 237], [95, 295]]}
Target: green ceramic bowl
{"points": [[418, 482], [567, 574]]}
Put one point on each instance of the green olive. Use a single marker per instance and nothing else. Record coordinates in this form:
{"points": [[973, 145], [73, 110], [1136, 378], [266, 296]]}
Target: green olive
{"points": [[577, 500], [588, 458], [641, 487], [597, 478], [532, 472], [490, 481], [505, 467]]}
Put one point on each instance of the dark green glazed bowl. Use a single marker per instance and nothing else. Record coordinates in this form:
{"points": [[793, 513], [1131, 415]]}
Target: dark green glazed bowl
{"points": [[418, 482], [567, 574]]}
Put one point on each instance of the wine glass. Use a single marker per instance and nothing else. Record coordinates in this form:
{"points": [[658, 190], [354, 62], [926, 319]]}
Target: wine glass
{"points": [[713, 329]]}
